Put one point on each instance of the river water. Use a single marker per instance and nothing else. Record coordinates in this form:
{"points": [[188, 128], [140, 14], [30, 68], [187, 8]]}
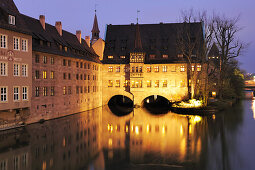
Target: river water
{"points": [[98, 139]]}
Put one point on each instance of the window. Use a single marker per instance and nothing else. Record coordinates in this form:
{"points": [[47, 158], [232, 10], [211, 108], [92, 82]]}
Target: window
{"points": [[51, 60], [110, 83], [24, 70], [3, 93], [118, 69], [152, 56], [37, 74], [88, 89], [192, 68], [81, 89], [117, 83], [164, 83], [156, 83], [156, 69], [173, 83], [52, 75], [52, 91], [64, 76], [64, 90], [164, 68], [16, 93], [148, 83], [81, 65], [64, 62], [88, 66], [69, 76], [37, 59], [140, 69], [69, 63], [69, 90], [122, 56], [199, 68], [88, 77], [125, 69], [81, 77], [15, 69], [45, 91], [3, 68], [24, 93], [180, 55], [148, 69], [110, 69], [77, 76], [3, 41], [110, 56], [77, 64], [44, 59], [173, 68], [44, 75], [182, 68], [11, 19], [85, 66], [24, 45], [137, 84], [165, 56], [3, 165], [126, 83], [182, 83], [15, 43], [77, 89], [37, 91]]}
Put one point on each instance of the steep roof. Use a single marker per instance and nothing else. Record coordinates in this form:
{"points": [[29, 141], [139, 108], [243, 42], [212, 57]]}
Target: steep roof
{"points": [[8, 7], [214, 51], [157, 39], [95, 25], [51, 35]]}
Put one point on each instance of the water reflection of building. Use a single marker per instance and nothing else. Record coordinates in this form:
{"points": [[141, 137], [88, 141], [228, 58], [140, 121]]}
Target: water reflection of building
{"points": [[68, 143], [143, 137]]}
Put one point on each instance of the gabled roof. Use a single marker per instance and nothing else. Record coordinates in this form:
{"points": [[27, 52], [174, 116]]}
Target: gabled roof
{"points": [[9, 6], [157, 39], [214, 51], [51, 35]]}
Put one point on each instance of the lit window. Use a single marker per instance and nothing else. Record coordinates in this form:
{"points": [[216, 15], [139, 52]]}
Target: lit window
{"points": [[110, 83], [16, 93], [164, 68], [3, 68], [24, 45], [199, 68], [110, 69], [11, 19], [3, 92], [182, 68], [148, 83], [156, 68], [126, 83], [117, 83], [64, 90], [15, 43], [148, 69], [45, 91], [118, 69], [182, 83], [165, 56], [192, 68], [44, 59], [24, 93], [164, 83], [125, 69], [173, 68], [44, 75], [193, 56], [157, 83], [110, 56], [15, 69], [122, 56], [52, 74], [3, 41], [24, 70], [180, 56]]}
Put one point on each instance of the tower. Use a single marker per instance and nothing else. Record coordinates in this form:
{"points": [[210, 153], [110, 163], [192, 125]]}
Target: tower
{"points": [[95, 30]]}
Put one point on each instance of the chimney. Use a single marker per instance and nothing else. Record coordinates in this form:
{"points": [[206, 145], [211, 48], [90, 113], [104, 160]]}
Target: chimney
{"points": [[87, 39], [42, 21], [78, 35], [58, 26]]}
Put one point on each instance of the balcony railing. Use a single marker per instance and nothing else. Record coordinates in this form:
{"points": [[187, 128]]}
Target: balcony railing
{"points": [[133, 75]]}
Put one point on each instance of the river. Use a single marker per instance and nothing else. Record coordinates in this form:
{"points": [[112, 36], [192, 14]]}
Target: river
{"points": [[98, 139]]}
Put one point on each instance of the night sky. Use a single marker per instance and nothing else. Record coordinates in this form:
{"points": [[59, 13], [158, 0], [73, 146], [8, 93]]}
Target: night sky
{"points": [[79, 15]]}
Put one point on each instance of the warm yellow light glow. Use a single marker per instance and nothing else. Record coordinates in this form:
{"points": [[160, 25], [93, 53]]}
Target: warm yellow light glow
{"points": [[148, 128], [137, 130], [253, 108], [163, 129], [44, 165], [190, 104], [126, 128], [181, 130], [110, 143], [64, 142], [132, 128], [190, 129], [213, 117], [197, 119], [110, 128], [148, 100]]}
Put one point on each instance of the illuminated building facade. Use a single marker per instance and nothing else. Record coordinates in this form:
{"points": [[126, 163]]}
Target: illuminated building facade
{"points": [[15, 64], [144, 60]]}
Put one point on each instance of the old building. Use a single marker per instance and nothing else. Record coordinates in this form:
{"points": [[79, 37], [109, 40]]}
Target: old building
{"points": [[144, 60], [15, 65]]}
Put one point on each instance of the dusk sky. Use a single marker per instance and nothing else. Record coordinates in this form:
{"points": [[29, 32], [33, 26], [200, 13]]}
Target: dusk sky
{"points": [[79, 15]]}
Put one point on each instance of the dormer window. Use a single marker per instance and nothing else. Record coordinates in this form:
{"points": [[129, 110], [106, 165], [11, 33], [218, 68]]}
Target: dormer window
{"points": [[11, 19]]}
